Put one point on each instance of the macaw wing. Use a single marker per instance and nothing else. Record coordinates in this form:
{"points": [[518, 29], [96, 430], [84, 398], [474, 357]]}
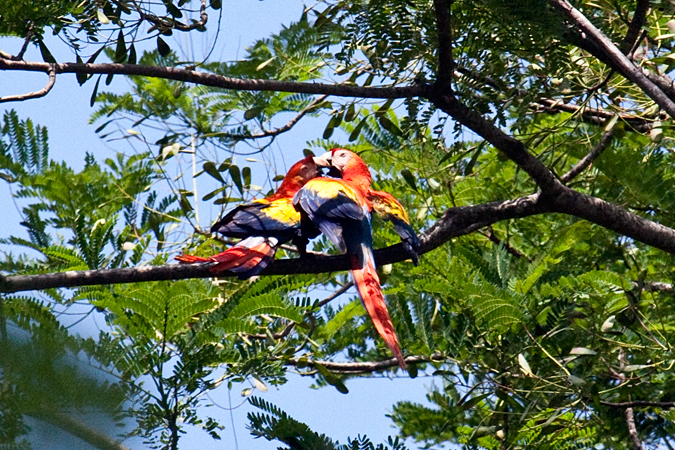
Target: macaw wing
{"points": [[330, 203], [278, 218], [388, 208]]}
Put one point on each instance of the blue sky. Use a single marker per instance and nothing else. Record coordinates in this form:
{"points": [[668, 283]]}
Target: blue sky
{"points": [[65, 111]]}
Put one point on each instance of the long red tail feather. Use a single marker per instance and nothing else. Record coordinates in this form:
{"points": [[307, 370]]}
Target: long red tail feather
{"points": [[191, 259], [368, 284], [241, 258]]}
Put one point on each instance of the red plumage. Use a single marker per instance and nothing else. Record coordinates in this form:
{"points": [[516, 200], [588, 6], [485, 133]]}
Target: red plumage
{"points": [[341, 210], [264, 225]]}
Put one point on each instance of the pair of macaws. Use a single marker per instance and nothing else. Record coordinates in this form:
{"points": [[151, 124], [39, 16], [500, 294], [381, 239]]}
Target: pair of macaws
{"points": [[307, 203]]}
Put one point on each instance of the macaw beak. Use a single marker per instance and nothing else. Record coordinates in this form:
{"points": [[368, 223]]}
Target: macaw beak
{"points": [[323, 160]]}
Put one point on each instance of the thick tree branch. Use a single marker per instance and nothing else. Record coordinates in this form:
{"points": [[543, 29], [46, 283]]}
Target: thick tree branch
{"points": [[445, 61], [454, 222], [616, 219], [625, 65], [210, 79], [41, 93]]}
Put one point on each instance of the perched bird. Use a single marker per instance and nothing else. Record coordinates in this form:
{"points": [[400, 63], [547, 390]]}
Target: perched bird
{"points": [[341, 208], [264, 225]]}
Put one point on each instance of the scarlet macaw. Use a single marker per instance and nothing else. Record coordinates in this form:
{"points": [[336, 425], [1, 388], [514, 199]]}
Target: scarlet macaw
{"points": [[264, 225], [341, 208]]}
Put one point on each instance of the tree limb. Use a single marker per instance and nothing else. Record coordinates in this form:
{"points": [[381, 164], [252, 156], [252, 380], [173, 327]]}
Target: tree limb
{"points": [[454, 222], [210, 79], [354, 368], [587, 160], [445, 61], [41, 93], [626, 66], [277, 131]]}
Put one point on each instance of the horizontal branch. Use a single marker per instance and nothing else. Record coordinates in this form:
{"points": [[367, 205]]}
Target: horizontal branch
{"points": [[454, 222], [30, 95], [354, 368], [211, 79], [639, 404]]}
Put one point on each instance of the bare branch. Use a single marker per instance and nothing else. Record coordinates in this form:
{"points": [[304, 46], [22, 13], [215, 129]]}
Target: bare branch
{"points": [[639, 404], [454, 222], [345, 287], [41, 93], [587, 160], [210, 79], [367, 367], [445, 61], [635, 26], [594, 116], [277, 131], [632, 431], [626, 66]]}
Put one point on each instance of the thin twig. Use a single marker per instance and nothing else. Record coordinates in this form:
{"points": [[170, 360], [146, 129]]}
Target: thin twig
{"points": [[639, 404], [587, 160], [37, 94], [277, 131], [345, 287], [169, 24]]}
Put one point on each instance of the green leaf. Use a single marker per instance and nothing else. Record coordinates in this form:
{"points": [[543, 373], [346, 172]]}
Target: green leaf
{"points": [[210, 168], [216, 4], [132, 54], [246, 174], [331, 378], [235, 174], [94, 92], [357, 130], [389, 125], [162, 47], [351, 113], [81, 77], [121, 48], [253, 112], [409, 178], [46, 54]]}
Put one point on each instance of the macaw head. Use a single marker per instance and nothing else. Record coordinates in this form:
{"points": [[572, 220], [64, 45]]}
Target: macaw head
{"points": [[301, 172], [349, 164]]}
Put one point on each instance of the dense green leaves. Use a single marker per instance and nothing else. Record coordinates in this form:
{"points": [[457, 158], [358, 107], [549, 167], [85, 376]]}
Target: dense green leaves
{"points": [[541, 329]]}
